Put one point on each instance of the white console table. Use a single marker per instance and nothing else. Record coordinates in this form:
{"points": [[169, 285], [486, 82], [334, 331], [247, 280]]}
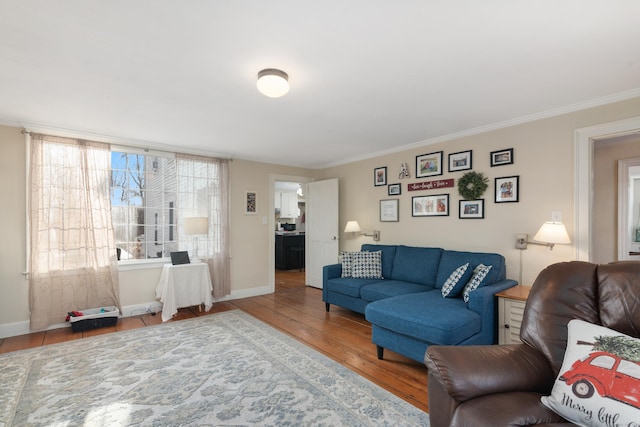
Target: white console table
{"points": [[184, 285]]}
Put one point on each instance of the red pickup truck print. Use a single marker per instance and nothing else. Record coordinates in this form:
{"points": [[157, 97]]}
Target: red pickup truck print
{"points": [[608, 375]]}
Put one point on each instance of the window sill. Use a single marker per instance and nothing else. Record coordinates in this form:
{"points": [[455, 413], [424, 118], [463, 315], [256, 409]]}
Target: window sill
{"points": [[142, 264]]}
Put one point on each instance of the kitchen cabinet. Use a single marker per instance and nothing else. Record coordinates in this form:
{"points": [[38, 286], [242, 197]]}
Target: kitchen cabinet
{"points": [[288, 258], [288, 204]]}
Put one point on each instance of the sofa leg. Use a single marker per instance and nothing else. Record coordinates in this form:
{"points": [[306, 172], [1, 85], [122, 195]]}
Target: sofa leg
{"points": [[380, 351], [326, 306]]}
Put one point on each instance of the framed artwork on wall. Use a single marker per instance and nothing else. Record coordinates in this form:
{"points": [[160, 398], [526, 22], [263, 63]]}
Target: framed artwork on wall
{"points": [[389, 210], [250, 202], [507, 189], [502, 157], [380, 176], [460, 161], [436, 205], [471, 209], [394, 189], [429, 164]]}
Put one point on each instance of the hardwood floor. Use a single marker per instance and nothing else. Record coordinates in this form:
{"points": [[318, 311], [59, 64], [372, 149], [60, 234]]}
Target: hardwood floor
{"points": [[298, 311]]}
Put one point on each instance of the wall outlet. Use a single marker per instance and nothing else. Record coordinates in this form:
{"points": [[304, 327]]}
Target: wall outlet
{"points": [[521, 241]]}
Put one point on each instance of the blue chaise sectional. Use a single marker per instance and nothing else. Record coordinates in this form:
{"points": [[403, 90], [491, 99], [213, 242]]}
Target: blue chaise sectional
{"points": [[399, 290]]}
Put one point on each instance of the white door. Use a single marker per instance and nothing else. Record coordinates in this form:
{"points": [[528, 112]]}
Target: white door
{"points": [[322, 228]]}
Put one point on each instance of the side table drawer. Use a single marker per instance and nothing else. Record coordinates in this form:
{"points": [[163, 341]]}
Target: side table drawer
{"points": [[510, 320]]}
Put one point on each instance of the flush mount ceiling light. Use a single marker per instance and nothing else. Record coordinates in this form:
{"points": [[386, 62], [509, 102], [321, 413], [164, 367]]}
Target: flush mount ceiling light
{"points": [[273, 83]]}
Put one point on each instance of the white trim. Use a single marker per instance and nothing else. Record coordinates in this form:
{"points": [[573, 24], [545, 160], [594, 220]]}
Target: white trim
{"points": [[625, 207], [622, 96], [583, 186], [22, 328]]}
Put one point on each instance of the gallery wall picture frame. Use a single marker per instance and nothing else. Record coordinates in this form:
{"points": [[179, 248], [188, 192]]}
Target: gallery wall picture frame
{"points": [[507, 189], [471, 209], [251, 202], [389, 210], [394, 189], [380, 176], [460, 161], [429, 164], [434, 205], [502, 157]]}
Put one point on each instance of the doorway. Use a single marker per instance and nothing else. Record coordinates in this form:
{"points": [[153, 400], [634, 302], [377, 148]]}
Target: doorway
{"points": [[287, 228], [584, 151]]}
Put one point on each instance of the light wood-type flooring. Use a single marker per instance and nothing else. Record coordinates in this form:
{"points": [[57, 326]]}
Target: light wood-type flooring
{"points": [[298, 311]]}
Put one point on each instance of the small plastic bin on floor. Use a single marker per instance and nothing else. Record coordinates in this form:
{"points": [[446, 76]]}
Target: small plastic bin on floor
{"points": [[93, 318]]}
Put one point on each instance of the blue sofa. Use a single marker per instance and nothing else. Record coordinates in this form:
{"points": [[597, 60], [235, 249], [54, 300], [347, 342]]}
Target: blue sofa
{"points": [[406, 308]]}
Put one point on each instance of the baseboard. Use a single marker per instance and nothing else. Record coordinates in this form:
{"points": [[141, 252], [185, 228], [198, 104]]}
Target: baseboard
{"points": [[22, 328]]}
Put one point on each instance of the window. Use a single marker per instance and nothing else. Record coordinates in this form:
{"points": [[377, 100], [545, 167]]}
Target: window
{"points": [[143, 193], [151, 195]]}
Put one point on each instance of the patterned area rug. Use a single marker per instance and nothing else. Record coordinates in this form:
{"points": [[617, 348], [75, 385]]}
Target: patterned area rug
{"points": [[225, 369]]}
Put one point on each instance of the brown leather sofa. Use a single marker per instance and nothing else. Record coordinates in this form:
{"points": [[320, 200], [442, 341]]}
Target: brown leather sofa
{"points": [[501, 385]]}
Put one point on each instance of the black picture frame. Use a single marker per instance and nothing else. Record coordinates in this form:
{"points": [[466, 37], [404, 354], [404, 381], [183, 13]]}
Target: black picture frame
{"points": [[507, 189], [394, 189], [471, 209], [433, 205], [380, 176], [501, 157], [429, 164], [460, 161]]}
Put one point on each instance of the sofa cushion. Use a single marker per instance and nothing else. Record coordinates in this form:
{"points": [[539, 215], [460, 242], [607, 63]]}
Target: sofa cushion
{"points": [[348, 286], [426, 316], [416, 265], [456, 281], [346, 258], [390, 288], [450, 260], [599, 382], [367, 265], [479, 278], [388, 254]]}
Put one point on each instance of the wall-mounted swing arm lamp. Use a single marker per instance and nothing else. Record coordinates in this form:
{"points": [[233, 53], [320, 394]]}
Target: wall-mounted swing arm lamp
{"points": [[354, 228], [550, 234]]}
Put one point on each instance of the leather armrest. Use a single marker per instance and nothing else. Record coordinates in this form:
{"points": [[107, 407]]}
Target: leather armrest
{"points": [[466, 372]]}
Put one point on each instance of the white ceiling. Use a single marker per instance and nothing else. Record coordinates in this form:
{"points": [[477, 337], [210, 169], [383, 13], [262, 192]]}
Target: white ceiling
{"points": [[367, 76]]}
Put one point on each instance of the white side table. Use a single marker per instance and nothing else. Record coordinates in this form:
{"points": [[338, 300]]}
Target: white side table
{"points": [[184, 285], [511, 304]]}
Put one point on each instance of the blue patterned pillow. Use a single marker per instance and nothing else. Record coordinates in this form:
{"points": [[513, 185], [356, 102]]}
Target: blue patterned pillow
{"points": [[456, 281], [479, 273], [347, 263], [367, 265]]}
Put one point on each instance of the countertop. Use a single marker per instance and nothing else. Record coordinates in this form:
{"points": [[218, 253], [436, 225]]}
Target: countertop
{"points": [[289, 233]]}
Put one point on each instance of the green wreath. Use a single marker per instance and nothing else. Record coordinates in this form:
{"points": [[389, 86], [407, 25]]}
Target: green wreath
{"points": [[472, 185]]}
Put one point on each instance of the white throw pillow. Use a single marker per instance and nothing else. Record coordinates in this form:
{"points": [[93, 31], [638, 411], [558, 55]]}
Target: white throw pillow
{"points": [[454, 284], [367, 265], [479, 273], [599, 382], [347, 263]]}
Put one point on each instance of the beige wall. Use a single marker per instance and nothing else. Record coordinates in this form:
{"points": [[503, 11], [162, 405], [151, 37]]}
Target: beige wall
{"points": [[605, 195], [249, 236], [13, 285], [544, 160]]}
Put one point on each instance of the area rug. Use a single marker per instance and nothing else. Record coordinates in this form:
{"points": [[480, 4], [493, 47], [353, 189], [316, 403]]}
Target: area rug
{"points": [[225, 369]]}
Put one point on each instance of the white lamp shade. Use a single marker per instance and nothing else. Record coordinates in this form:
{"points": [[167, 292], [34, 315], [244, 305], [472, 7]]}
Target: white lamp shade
{"points": [[196, 225], [273, 83], [553, 232], [352, 227]]}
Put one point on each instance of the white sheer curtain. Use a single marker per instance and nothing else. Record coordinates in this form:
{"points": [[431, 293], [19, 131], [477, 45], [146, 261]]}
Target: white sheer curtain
{"points": [[72, 257], [203, 191]]}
